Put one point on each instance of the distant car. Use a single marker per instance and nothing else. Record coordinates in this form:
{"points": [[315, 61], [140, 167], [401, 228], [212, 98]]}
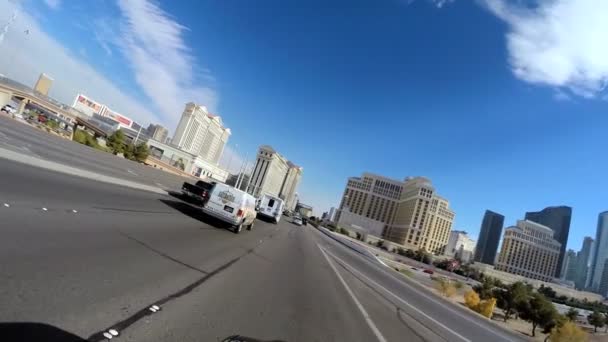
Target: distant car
{"points": [[9, 109], [428, 271], [297, 221], [414, 268]]}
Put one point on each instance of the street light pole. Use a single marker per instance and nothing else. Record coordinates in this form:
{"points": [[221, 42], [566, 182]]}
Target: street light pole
{"points": [[137, 136], [248, 181], [239, 178]]}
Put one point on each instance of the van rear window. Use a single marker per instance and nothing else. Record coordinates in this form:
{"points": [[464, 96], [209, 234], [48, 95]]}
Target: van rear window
{"points": [[271, 203]]}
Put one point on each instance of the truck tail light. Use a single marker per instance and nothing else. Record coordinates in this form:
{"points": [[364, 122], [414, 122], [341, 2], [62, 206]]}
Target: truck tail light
{"points": [[240, 213]]}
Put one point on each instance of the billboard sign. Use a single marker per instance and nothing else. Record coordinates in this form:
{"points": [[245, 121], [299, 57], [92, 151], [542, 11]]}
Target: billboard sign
{"points": [[87, 105], [123, 120]]}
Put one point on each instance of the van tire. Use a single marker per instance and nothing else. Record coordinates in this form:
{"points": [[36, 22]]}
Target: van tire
{"points": [[237, 229], [249, 227]]}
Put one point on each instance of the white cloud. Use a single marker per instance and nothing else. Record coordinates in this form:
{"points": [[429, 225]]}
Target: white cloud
{"points": [[53, 4], [441, 3], [164, 67], [25, 56], [104, 34], [559, 43], [437, 3]]}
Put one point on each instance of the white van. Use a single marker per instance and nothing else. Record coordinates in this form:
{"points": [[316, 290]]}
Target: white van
{"points": [[231, 205], [271, 207]]}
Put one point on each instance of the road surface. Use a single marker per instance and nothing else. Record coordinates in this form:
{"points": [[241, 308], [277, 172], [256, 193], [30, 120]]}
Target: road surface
{"points": [[87, 257], [25, 139]]}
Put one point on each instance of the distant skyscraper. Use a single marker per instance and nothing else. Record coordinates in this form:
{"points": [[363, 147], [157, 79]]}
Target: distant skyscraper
{"points": [[423, 219], [558, 219], [570, 266], [44, 84], [603, 288], [290, 185], [489, 236], [157, 132], [273, 174], [600, 251], [583, 259], [460, 246], [412, 212], [201, 133], [529, 250], [332, 214]]}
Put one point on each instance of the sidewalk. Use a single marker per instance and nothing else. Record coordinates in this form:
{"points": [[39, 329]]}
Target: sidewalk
{"points": [[57, 167]]}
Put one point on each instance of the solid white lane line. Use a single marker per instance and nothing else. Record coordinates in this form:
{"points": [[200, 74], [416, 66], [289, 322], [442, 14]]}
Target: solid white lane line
{"points": [[380, 261], [352, 269], [368, 319]]}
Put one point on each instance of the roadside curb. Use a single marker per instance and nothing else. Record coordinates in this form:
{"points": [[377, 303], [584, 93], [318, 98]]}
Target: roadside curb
{"points": [[420, 287], [69, 170]]}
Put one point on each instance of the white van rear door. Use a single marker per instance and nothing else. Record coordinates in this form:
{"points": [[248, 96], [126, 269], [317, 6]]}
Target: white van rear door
{"points": [[269, 205], [223, 200]]}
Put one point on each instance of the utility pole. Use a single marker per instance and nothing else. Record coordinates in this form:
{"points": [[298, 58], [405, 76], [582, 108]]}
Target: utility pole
{"points": [[137, 136], [243, 168]]}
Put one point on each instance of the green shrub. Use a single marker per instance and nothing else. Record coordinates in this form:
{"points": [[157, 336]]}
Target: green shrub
{"points": [[80, 136], [52, 124]]}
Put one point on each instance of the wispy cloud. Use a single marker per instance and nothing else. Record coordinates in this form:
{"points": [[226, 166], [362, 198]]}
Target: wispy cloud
{"points": [[104, 34], [53, 4], [441, 3], [22, 61], [164, 67], [437, 3], [559, 43]]}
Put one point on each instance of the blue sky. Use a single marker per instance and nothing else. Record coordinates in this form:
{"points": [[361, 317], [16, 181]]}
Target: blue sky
{"points": [[502, 108]]}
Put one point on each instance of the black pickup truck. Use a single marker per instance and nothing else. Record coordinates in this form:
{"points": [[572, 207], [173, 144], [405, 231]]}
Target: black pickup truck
{"points": [[197, 193]]}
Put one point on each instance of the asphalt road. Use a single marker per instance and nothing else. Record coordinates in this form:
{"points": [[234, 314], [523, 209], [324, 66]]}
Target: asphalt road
{"points": [[25, 139], [86, 257]]}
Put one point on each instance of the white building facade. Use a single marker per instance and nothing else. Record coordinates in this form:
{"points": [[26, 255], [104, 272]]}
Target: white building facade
{"points": [[201, 133], [186, 162], [460, 246]]}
